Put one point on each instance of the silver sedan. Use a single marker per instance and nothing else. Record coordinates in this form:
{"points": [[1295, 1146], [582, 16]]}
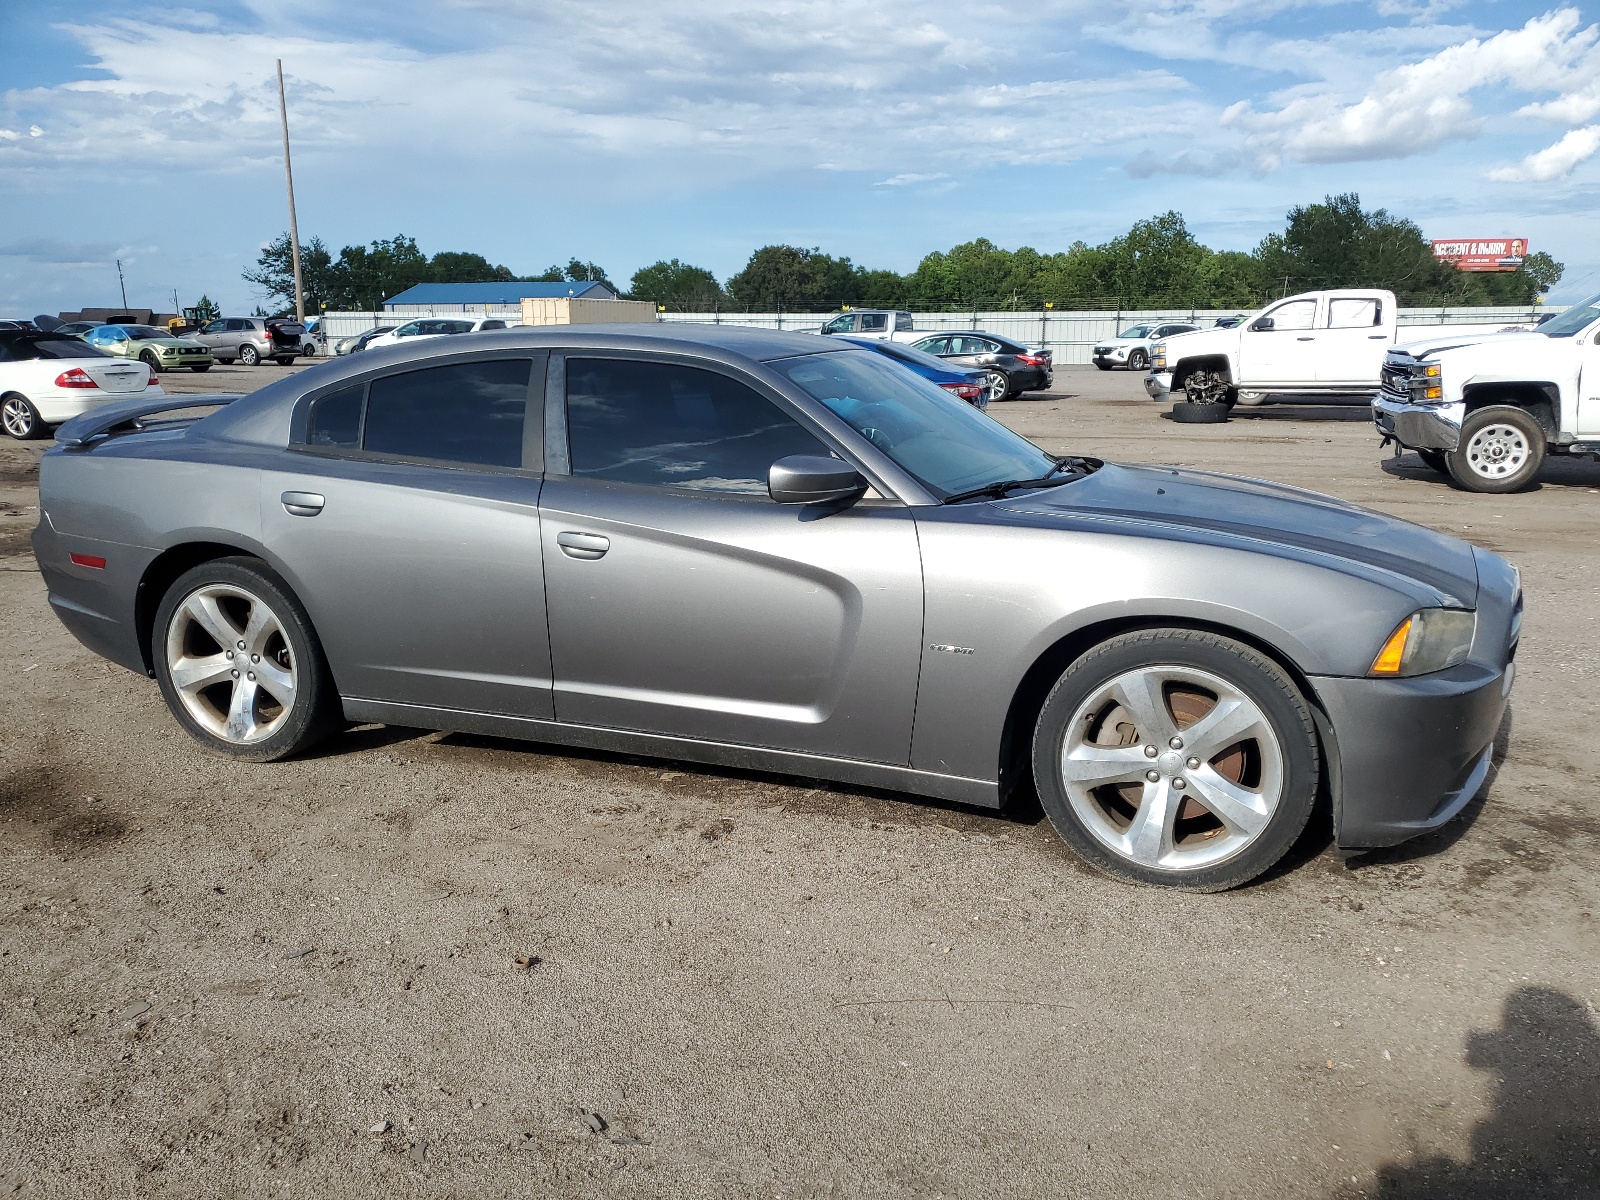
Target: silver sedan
{"points": [[783, 553]]}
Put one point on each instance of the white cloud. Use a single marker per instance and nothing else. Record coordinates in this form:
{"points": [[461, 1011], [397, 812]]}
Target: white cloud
{"points": [[907, 178], [1552, 162], [1417, 107]]}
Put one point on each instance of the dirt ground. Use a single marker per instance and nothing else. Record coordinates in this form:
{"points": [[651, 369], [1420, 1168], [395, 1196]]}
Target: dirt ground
{"points": [[429, 965]]}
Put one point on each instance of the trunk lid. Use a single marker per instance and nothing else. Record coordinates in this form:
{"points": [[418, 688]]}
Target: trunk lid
{"points": [[116, 376]]}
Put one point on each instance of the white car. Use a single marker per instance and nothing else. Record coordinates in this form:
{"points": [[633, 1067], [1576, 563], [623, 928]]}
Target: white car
{"points": [[48, 378], [424, 327], [1131, 348]]}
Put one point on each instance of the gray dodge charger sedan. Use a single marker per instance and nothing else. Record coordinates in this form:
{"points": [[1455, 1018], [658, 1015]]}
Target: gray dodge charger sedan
{"points": [[790, 554]]}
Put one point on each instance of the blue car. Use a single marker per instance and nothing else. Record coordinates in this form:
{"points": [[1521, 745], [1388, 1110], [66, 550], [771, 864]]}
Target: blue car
{"points": [[969, 385]]}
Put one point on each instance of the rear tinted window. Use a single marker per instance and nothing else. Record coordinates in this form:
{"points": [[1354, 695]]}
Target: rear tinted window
{"points": [[672, 426], [30, 347], [465, 413], [336, 419]]}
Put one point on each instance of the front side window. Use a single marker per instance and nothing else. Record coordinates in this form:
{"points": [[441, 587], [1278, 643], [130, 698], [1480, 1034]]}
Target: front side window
{"points": [[408, 329], [1297, 314], [670, 426], [463, 413], [842, 324], [1354, 314], [944, 442], [492, 325], [215, 327]]}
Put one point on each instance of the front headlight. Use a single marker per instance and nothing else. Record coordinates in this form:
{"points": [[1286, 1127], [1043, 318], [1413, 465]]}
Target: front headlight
{"points": [[1430, 639], [1158, 356]]}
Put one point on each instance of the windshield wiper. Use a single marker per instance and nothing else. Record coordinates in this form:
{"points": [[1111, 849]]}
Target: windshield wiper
{"points": [[998, 489]]}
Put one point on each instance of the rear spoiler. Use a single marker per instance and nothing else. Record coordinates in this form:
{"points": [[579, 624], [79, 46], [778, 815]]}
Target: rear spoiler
{"points": [[77, 433]]}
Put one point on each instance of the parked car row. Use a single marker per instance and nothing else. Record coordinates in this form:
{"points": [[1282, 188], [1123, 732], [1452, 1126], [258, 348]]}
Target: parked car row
{"points": [[1009, 367]]}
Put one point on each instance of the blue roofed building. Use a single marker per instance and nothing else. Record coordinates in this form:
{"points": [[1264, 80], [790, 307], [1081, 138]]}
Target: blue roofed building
{"points": [[430, 299]]}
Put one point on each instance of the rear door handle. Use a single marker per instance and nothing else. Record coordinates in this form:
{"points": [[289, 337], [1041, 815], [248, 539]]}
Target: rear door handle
{"points": [[583, 545], [1377, 337], [302, 504]]}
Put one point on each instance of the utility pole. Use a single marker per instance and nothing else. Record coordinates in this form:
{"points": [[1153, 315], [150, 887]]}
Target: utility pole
{"points": [[288, 177], [121, 283]]}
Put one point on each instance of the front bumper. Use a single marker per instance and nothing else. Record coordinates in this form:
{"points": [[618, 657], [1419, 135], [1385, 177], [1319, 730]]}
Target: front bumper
{"points": [[1158, 386], [1419, 426], [1408, 755]]}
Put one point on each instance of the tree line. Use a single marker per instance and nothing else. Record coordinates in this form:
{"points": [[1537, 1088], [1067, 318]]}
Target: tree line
{"points": [[1157, 263]]}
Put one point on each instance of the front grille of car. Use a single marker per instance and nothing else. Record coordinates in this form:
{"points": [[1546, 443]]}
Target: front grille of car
{"points": [[192, 350]]}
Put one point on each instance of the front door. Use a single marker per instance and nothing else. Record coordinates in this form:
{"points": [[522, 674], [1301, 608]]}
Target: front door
{"points": [[1352, 341], [409, 523], [1589, 385], [684, 601], [1280, 346]]}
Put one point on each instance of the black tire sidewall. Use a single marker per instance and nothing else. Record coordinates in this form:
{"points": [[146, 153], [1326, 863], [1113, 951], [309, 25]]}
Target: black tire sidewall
{"points": [[1187, 413], [316, 706], [249, 356], [1455, 460], [1138, 361], [1253, 673]]}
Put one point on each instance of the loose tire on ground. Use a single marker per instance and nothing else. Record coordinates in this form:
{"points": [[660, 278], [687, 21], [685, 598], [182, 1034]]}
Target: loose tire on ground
{"points": [[239, 663], [1501, 450], [1223, 729], [1186, 413]]}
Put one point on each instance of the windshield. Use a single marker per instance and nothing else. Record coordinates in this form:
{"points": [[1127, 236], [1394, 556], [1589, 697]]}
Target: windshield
{"points": [[1576, 318], [945, 443], [1138, 331], [144, 333]]}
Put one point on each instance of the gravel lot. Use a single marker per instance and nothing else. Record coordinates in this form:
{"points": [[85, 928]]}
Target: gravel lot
{"points": [[421, 964]]}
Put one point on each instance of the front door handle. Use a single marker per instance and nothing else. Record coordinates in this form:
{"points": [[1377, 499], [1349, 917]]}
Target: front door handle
{"points": [[302, 504], [583, 545], [1377, 337], [1305, 339]]}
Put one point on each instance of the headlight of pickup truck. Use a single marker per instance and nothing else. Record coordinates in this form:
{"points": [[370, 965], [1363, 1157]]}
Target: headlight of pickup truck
{"points": [[1158, 356], [1430, 639], [1428, 384]]}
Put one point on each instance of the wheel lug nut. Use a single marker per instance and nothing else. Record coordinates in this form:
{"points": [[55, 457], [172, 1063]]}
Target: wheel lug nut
{"points": [[1178, 785], [1176, 743], [1194, 764], [235, 674], [1150, 751], [1153, 776], [251, 675], [255, 658], [241, 645]]}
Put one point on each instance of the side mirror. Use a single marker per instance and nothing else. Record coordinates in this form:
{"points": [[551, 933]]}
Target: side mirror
{"points": [[1264, 325], [811, 479]]}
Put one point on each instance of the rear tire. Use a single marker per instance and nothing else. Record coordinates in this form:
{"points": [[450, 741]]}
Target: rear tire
{"points": [[239, 664], [1224, 730], [1501, 450], [1185, 413], [248, 355], [20, 418], [996, 386]]}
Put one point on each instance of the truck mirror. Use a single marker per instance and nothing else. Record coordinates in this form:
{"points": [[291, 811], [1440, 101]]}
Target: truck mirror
{"points": [[1263, 325]]}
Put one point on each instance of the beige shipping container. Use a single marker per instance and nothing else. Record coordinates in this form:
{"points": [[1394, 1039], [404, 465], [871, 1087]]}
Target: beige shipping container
{"points": [[576, 310]]}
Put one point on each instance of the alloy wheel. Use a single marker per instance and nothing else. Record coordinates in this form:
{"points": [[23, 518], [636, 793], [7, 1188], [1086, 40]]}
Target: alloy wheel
{"points": [[1497, 451], [996, 385], [230, 663], [1172, 767], [20, 420]]}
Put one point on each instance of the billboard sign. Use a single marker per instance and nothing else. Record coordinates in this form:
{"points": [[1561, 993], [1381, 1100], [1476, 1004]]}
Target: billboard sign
{"points": [[1482, 254]]}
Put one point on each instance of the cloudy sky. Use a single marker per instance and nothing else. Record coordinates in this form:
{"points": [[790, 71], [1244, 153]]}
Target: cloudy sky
{"points": [[533, 131]]}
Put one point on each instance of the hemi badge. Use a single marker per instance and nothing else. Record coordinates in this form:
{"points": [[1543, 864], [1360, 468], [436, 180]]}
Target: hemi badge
{"points": [[88, 560], [953, 649]]}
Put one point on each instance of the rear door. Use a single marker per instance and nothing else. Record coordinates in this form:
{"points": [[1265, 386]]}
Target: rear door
{"points": [[408, 522], [1280, 346], [684, 601], [1352, 340]]}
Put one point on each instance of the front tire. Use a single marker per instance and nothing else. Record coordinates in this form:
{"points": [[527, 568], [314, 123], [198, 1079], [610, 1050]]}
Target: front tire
{"points": [[1501, 450], [248, 355], [21, 419], [1223, 731], [1434, 460], [200, 368], [151, 360], [1138, 360], [1104, 366], [239, 663]]}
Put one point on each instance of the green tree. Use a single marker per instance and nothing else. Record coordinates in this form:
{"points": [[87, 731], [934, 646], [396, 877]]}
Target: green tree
{"points": [[451, 266], [581, 272], [791, 278], [206, 309], [274, 273], [677, 285]]}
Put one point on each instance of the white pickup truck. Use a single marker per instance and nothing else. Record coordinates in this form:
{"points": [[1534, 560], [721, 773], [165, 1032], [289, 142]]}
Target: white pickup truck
{"points": [[1317, 345], [1488, 409]]}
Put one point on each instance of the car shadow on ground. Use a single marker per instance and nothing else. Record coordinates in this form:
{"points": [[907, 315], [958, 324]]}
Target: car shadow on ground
{"points": [[1315, 413], [1540, 1136], [1562, 471]]}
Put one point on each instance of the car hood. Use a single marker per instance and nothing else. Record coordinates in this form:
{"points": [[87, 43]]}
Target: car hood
{"points": [[168, 342], [1444, 340], [1273, 515]]}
